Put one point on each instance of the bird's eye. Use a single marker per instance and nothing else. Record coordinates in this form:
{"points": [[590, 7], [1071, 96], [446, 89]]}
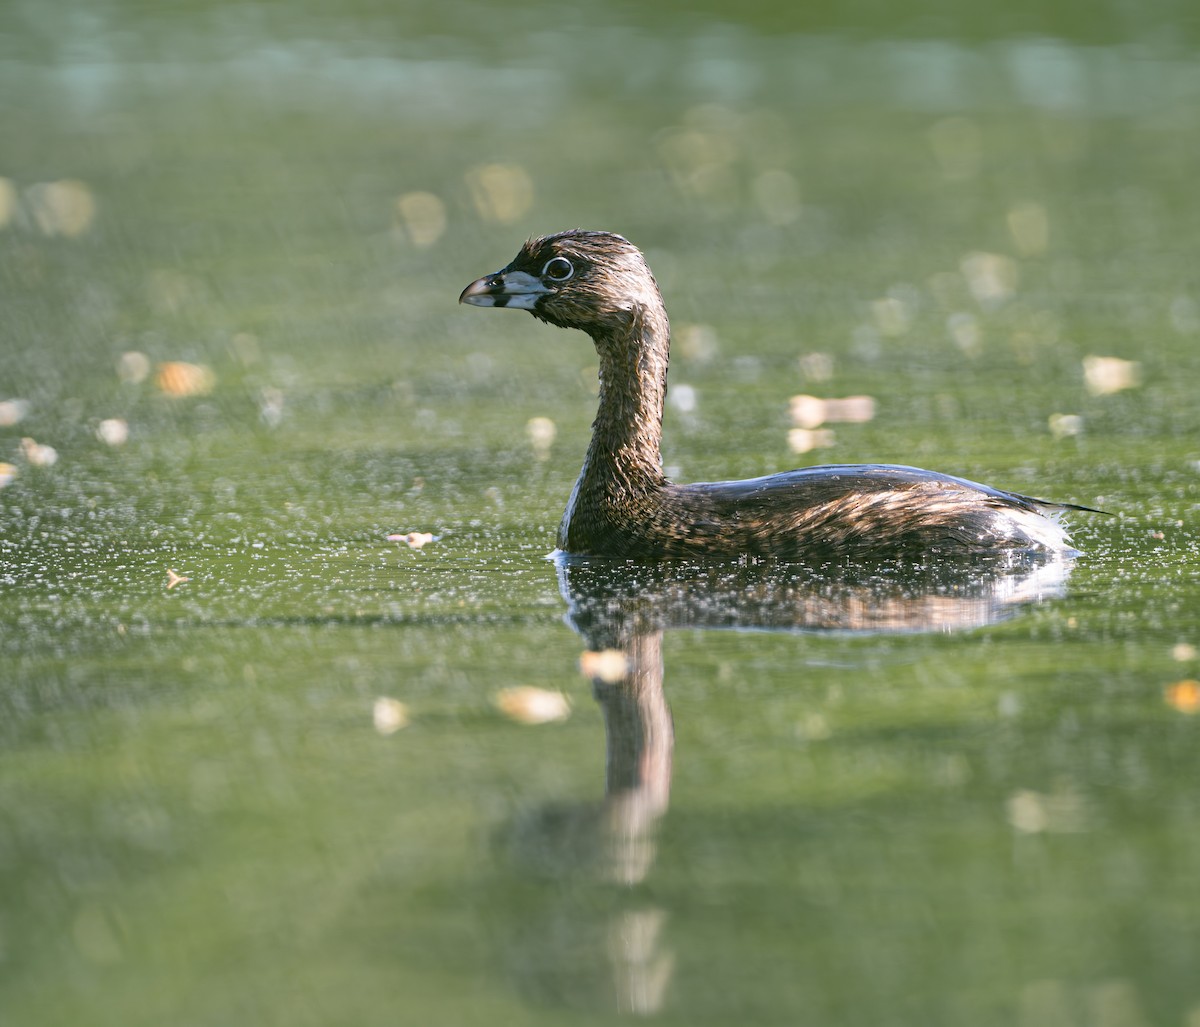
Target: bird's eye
{"points": [[558, 269]]}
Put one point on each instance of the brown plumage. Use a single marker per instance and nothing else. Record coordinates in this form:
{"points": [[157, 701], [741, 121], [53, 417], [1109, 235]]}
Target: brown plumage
{"points": [[624, 506]]}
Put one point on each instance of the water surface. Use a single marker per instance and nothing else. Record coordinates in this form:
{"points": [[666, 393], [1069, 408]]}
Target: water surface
{"points": [[799, 799]]}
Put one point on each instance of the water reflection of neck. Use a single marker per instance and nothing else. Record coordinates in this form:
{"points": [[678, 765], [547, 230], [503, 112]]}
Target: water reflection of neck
{"points": [[638, 729], [640, 740]]}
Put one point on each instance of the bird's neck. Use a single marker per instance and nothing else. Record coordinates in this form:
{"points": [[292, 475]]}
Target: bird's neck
{"points": [[627, 433]]}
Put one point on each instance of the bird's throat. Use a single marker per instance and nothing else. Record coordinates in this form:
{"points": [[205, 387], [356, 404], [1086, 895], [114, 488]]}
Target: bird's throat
{"points": [[627, 432]]}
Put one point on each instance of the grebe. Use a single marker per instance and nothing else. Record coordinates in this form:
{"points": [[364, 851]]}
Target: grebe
{"points": [[624, 506]]}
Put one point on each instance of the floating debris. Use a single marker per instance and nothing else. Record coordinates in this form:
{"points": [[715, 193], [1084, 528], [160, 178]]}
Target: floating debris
{"points": [[991, 277], [1064, 425], [965, 330], [1009, 704], [682, 398], [1105, 375], [528, 705], [38, 455], [133, 367], [7, 473], [270, 406], [113, 431], [807, 411], [696, 342], [13, 411], [178, 378], [174, 578], [804, 440], [1026, 812], [1029, 226], [502, 193], [1184, 696], [422, 216], [1031, 812], [8, 201], [812, 412], [541, 432], [414, 539], [65, 208], [813, 727], [816, 367], [699, 162], [389, 715], [607, 665]]}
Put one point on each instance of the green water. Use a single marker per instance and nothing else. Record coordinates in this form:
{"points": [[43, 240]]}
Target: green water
{"points": [[989, 820]]}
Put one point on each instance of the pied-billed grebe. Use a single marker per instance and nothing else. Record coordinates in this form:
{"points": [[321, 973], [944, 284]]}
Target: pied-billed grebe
{"points": [[624, 506]]}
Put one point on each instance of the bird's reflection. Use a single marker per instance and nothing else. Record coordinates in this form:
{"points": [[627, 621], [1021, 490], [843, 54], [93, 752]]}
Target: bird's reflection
{"points": [[611, 603], [623, 609]]}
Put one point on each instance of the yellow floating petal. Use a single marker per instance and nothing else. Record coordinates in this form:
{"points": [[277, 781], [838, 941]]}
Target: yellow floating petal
{"points": [[1184, 696], [389, 715], [528, 705], [608, 665], [179, 378], [113, 431], [1104, 375], [37, 454], [414, 539]]}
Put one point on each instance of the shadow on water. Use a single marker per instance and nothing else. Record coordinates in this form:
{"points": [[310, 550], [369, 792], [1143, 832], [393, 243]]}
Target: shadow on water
{"points": [[605, 953]]}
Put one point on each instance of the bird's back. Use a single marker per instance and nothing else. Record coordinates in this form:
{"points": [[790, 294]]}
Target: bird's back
{"points": [[856, 509]]}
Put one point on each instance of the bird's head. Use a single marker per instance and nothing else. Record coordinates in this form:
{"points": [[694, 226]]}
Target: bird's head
{"points": [[595, 281]]}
